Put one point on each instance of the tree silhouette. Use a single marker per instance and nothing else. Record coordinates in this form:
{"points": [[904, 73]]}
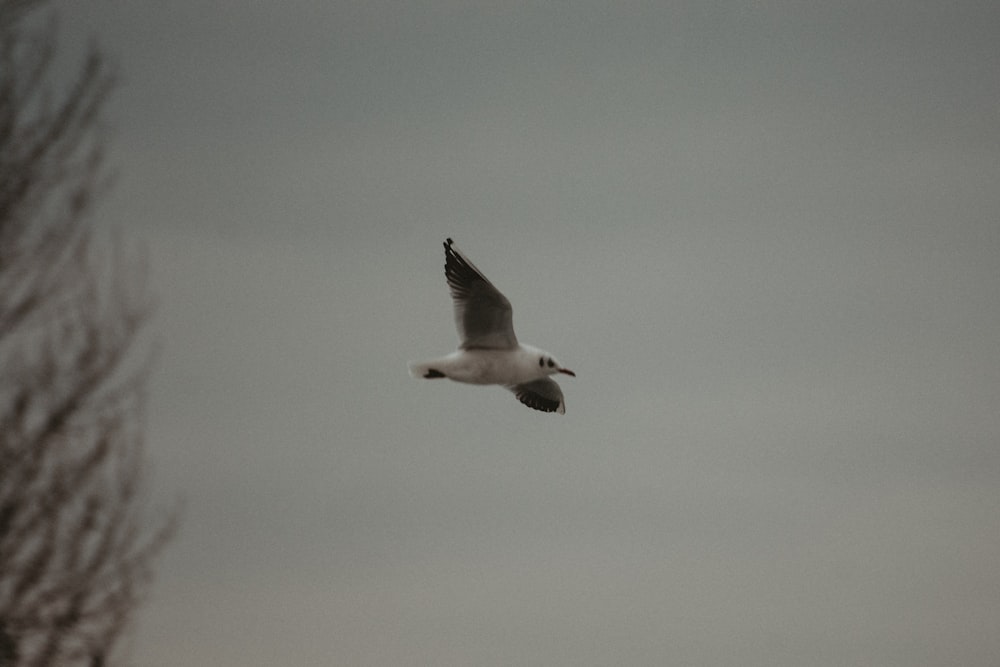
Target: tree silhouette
{"points": [[76, 550]]}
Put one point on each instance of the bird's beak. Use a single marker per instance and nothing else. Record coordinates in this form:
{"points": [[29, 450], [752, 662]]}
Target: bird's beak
{"points": [[567, 372]]}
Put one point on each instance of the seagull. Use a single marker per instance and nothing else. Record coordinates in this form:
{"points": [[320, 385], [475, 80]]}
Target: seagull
{"points": [[489, 352]]}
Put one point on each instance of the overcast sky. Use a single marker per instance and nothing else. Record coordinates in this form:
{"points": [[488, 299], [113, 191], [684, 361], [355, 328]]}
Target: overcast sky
{"points": [[764, 234]]}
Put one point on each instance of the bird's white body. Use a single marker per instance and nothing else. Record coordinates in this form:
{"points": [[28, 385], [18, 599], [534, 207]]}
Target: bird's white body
{"points": [[503, 367]]}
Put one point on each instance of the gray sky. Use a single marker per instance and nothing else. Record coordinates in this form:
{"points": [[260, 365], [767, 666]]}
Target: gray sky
{"points": [[764, 235]]}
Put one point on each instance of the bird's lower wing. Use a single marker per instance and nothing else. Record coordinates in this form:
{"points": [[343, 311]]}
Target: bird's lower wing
{"points": [[544, 395]]}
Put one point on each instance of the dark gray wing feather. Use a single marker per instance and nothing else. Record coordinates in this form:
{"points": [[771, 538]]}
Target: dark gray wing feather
{"points": [[483, 315], [544, 395]]}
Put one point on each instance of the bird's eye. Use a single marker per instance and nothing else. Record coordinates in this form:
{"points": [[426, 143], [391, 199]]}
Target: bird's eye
{"points": [[551, 363], [541, 361]]}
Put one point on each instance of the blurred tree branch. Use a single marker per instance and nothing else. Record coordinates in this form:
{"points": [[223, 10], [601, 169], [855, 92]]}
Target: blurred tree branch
{"points": [[75, 549]]}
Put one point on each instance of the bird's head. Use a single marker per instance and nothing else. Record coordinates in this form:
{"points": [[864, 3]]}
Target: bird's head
{"points": [[548, 364]]}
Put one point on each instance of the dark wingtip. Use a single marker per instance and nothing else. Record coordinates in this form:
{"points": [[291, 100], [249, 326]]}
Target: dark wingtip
{"points": [[448, 242]]}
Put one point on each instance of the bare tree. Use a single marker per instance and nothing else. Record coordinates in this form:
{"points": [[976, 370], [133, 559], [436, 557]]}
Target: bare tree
{"points": [[75, 547]]}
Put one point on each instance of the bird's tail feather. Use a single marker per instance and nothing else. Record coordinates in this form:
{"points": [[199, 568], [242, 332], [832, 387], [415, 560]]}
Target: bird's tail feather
{"points": [[425, 369]]}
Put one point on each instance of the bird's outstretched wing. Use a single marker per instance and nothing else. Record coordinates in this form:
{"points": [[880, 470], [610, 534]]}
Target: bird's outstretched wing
{"points": [[544, 395], [482, 314]]}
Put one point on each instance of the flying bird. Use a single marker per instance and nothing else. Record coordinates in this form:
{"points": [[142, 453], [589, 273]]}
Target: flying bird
{"points": [[489, 352]]}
